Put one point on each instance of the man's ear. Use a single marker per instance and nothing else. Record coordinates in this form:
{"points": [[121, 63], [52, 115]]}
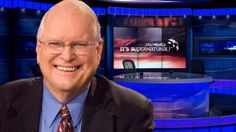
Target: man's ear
{"points": [[100, 47], [38, 46]]}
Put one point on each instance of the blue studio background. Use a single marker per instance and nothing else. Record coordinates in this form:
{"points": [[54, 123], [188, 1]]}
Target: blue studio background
{"points": [[205, 30], [210, 37]]}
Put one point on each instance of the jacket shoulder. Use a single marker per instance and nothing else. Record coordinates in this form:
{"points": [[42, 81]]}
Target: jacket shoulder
{"points": [[18, 85], [14, 89], [123, 96]]}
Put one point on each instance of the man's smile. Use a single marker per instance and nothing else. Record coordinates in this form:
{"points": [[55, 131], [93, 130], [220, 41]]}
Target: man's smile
{"points": [[67, 68]]}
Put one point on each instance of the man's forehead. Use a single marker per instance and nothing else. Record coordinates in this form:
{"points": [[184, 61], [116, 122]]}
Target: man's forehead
{"points": [[65, 25], [68, 13]]}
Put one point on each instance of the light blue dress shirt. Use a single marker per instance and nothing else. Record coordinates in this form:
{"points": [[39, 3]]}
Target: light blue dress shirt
{"points": [[50, 117]]}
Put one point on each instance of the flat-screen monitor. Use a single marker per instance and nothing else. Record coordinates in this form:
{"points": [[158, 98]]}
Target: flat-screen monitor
{"points": [[150, 47], [217, 47]]}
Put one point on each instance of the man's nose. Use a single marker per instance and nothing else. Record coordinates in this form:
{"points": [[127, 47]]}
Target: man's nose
{"points": [[68, 53]]}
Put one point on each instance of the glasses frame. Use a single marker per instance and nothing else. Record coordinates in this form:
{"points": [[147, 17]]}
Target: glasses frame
{"points": [[77, 46]]}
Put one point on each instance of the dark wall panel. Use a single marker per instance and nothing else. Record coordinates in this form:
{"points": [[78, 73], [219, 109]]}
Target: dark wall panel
{"points": [[4, 46]]}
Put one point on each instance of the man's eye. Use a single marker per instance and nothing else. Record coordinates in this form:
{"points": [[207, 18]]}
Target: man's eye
{"points": [[54, 44], [79, 45]]}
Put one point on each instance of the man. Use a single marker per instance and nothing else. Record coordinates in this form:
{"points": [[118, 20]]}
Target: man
{"points": [[70, 97]]}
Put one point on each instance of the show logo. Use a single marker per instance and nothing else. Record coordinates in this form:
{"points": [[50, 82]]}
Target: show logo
{"points": [[170, 45]]}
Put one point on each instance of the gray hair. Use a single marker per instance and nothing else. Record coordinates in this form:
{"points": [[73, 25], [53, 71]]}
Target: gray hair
{"points": [[78, 6]]}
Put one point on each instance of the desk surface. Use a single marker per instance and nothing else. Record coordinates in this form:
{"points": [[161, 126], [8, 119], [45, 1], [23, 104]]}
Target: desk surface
{"points": [[163, 77]]}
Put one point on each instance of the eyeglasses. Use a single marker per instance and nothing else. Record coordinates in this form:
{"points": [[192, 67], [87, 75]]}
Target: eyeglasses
{"points": [[58, 46]]}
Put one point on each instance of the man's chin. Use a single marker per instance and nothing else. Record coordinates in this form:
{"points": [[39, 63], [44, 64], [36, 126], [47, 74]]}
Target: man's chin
{"points": [[64, 76], [66, 83]]}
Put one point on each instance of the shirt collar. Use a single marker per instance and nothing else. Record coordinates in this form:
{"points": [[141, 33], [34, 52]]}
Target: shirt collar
{"points": [[52, 106]]}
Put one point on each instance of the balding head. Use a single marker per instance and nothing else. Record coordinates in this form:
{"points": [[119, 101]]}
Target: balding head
{"points": [[70, 8]]}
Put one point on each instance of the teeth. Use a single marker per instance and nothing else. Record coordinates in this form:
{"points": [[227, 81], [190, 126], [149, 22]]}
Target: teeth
{"points": [[66, 69]]}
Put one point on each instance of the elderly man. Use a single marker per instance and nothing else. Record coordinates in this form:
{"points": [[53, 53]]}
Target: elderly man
{"points": [[70, 97]]}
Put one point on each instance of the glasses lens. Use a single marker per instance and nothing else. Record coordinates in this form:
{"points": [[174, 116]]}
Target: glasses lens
{"points": [[80, 47]]}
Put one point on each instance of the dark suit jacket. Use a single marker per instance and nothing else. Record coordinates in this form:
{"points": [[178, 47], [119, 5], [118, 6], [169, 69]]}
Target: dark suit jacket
{"points": [[108, 107]]}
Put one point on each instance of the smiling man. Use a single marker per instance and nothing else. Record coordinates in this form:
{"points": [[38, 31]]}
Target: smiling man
{"points": [[70, 97]]}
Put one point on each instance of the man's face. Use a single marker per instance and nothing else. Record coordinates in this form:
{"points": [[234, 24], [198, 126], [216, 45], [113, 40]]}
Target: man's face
{"points": [[72, 69]]}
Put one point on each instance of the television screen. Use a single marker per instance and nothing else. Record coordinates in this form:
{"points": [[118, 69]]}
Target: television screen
{"points": [[150, 47], [220, 47]]}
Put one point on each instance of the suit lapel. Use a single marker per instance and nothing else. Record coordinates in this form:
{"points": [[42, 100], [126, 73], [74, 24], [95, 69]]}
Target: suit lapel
{"points": [[24, 114], [96, 117]]}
